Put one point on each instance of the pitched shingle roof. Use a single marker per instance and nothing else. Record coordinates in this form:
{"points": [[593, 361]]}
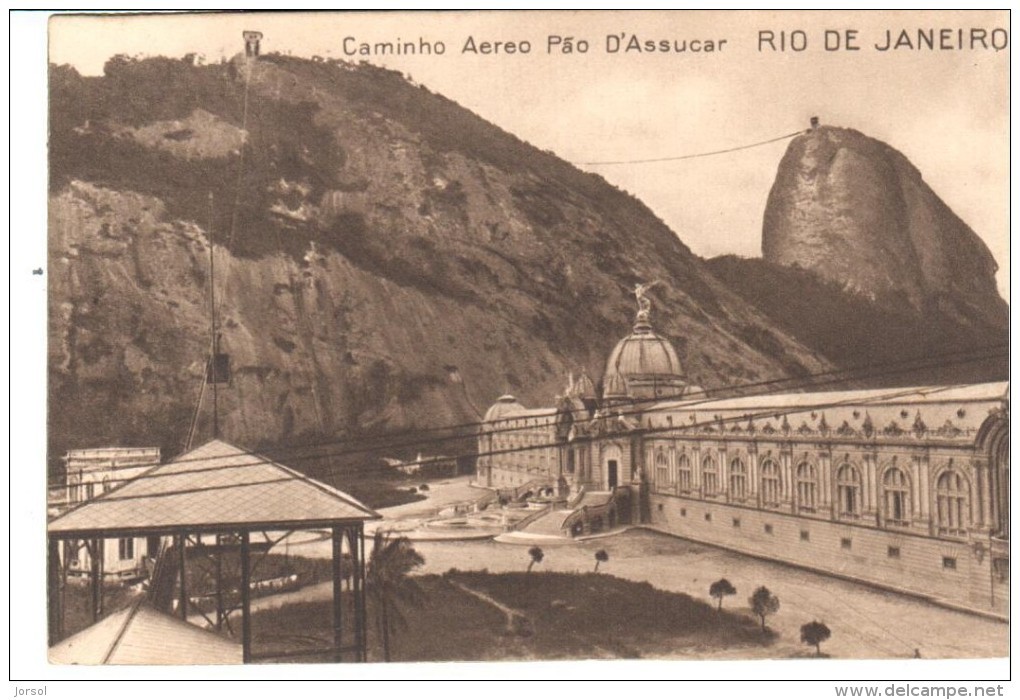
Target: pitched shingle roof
{"points": [[215, 485], [142, 635]]}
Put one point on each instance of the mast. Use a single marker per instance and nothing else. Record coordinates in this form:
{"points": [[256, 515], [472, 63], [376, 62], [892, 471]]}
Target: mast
{"points": [[214, 335]]}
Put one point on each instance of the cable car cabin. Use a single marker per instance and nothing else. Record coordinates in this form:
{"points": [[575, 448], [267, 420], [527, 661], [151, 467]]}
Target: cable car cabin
{"points": [[218, 369], [251, 43]]}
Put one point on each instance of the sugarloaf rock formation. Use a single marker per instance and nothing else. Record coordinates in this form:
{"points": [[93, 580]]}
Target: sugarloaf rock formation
{"points": [[857, 212]]}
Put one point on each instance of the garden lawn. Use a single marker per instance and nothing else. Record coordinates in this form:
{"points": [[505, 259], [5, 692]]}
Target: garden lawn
{"points": [[565, 616]]}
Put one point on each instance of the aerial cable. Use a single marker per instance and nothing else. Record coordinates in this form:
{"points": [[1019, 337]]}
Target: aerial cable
{"points": [[213, 368], [692, 155], [664, 406], [810, 381], [712, 422]]}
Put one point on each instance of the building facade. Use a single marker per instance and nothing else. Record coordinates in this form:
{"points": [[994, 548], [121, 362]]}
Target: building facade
{"points": [[91, 473], [907, 488]]}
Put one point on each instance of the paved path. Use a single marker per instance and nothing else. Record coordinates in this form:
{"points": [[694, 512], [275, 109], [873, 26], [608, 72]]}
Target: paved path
{"points": [[441, 494], [509, 612]]}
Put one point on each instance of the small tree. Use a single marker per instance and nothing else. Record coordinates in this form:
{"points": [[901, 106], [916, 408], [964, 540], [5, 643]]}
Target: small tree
{"points": [[813, 634], [720, 589], [600, 557], [536, 555], [763, 603]]}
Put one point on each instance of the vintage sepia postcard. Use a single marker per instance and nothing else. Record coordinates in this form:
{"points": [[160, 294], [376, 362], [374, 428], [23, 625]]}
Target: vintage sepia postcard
{"points": [[527, 336]]}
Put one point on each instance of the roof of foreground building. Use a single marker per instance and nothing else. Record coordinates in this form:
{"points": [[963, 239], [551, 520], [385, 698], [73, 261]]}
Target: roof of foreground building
{"points": [[140, 634], [214, 487]]}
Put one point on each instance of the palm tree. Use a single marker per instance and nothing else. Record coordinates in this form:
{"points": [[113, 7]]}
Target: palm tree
{"points": [[600, 556], [389, 585], [720, 589], [536, 555]]}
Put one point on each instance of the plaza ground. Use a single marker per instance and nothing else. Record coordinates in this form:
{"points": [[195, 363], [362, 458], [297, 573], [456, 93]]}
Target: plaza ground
{"points": [[866, 623]]}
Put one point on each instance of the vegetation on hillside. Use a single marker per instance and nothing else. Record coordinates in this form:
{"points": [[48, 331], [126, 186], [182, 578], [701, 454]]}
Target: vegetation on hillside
{"points": [[856, 331]]}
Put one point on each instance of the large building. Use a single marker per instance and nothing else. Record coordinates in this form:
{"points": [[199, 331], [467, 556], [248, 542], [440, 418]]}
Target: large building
{"points": [[903, 487]]}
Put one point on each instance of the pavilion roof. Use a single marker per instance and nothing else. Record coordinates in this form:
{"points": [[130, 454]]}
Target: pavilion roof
{"points": [[140, 634], [214, 487]]}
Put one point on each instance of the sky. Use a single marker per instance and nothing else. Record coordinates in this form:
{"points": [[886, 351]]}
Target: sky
{"points": [[946, 110]]}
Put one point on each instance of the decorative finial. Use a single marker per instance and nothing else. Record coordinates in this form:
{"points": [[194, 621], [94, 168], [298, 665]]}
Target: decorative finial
{"points": [[644, 303]]}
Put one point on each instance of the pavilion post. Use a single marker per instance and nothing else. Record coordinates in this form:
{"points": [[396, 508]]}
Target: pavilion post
{"points": [[96, 577], [338, 581], [182, 606], [245, 598], [354, 542], [65, 565], [54, 590], [361, 610], [219, 582]]}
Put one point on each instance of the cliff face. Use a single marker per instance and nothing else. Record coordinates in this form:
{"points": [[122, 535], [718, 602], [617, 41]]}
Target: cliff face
{"points": [[856, 211], [384, 259]]}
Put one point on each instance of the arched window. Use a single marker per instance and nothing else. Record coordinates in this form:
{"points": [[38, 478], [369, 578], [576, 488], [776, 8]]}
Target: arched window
{"points": [[770, 484], [897, 497], [848, 491], [709, 477], [661, 470], [738, 479], [807, 487], [1000, 489], [684, 473], [952, 503]]}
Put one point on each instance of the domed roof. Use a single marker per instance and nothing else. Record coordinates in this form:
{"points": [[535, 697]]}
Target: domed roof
{"points": [[581, 388], [505, 405], [643, 364], [644, 353]]}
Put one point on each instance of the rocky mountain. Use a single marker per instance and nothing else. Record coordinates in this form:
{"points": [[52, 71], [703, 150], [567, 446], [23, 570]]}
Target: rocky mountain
{"points": [[865, 264], [858, 213], [385, 259]]}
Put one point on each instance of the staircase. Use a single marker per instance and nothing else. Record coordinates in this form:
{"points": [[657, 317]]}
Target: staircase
{"points": [[163, 581], [597, 511], [558, 522], [549, 525]]}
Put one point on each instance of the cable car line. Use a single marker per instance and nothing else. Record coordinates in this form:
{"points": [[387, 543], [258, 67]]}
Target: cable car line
{"points": [[670, 405], [689, 156]]}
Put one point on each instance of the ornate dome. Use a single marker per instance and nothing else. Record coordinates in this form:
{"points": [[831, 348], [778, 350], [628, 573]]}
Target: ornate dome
{"points": [[643, 364], [643, 352]]}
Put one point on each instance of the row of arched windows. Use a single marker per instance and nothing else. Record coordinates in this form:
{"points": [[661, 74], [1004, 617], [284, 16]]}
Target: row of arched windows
{"points": [[951, 505]]}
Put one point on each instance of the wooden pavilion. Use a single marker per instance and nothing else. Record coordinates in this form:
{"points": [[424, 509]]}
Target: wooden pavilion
{"points": [[228, 493]]}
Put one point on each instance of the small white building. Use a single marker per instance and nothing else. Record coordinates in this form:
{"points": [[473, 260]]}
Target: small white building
{"points": [[91, 473]]}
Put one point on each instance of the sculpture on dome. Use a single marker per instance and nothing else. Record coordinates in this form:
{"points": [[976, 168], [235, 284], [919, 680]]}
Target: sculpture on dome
{"points": [[643, 302]]}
